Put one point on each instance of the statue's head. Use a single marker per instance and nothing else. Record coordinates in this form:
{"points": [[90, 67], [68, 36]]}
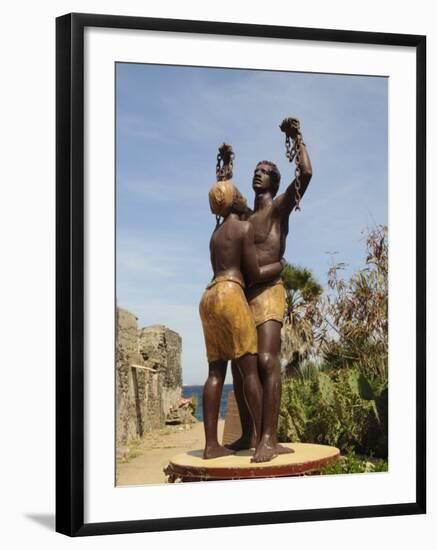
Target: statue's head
{"points": [[239, 203], [266, 178], [225, 198]]}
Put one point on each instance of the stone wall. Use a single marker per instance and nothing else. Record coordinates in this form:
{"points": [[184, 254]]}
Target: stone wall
{"points": [[161, 349], [148, 376]]}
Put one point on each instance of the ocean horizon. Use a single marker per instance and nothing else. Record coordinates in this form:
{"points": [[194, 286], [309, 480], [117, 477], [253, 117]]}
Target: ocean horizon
{"points": [[196, 392]]}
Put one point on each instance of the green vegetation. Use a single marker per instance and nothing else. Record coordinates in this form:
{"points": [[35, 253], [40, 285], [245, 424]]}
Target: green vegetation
{"points": [[301, 318], [334, 407], [193, 405], [340, 398], [349, 463]]}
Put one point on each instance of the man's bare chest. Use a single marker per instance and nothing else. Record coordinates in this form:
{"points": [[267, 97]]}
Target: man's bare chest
{"points": [[266, 226]]}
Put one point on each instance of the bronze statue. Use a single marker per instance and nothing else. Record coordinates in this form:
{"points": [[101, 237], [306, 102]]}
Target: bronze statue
{"points": [[227, 321], [266, 299]]}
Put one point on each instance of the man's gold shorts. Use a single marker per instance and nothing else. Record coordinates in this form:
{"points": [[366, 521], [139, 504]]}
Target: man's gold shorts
{"points": [[227, 321], [267, 302]]}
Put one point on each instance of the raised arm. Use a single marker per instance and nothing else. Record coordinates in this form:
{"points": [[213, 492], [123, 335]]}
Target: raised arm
{"points": [[288, 200], [253, 273]]}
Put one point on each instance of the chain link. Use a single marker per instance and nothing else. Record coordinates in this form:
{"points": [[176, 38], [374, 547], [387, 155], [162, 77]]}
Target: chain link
{"points": [[225, 163], [292, 152]]}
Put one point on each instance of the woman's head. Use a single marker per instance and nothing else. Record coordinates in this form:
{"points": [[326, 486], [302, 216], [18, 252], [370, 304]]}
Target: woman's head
{"points": [[225, 198]]}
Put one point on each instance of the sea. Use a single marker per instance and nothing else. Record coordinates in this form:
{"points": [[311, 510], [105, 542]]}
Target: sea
{"points": [[196, 391]]}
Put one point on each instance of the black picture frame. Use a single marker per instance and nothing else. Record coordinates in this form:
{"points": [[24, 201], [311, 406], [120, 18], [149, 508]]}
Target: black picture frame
{"points": [[70, 273]]}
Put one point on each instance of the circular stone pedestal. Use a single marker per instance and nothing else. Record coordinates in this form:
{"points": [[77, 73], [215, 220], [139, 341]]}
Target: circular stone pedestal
{"points": [[191, 466]]}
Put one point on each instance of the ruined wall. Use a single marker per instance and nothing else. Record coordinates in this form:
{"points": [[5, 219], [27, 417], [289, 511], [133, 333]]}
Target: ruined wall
{"points": [[161, 350], [127, 353], [148, 376]]}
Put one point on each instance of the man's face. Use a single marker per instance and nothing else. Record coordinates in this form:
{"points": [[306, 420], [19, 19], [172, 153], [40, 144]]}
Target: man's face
{"points": [[262, 180]]}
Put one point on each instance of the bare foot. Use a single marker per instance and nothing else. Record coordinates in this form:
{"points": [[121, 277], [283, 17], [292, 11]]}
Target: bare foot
{"points": [[241, 444], [216, 451], [264, 452], [281, 450]]}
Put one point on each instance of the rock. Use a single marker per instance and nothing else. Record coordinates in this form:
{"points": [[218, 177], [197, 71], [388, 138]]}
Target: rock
{"points": [[181, 415]]}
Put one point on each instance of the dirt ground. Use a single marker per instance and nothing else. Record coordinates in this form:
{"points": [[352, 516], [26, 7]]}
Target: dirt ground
{"points": [[148, 457]]}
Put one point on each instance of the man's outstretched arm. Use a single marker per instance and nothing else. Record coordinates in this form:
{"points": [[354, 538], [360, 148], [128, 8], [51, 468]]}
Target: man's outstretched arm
{"points": [[288, 200]]}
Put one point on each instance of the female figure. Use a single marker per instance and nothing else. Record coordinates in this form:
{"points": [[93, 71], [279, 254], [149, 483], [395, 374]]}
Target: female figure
{"points": [[228, 325]]}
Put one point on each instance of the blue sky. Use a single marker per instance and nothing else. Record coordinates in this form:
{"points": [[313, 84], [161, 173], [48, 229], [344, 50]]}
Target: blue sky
{"points": [[169, 124]]}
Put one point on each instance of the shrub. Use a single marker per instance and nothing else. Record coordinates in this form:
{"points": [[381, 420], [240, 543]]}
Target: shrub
{"points": [[334, 407], [352, 464], [356, 313], [344, 400], [193, 405]]}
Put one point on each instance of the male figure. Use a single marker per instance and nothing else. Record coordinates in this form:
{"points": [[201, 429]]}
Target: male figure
{"points": [[267, 300], [228, 325]]}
